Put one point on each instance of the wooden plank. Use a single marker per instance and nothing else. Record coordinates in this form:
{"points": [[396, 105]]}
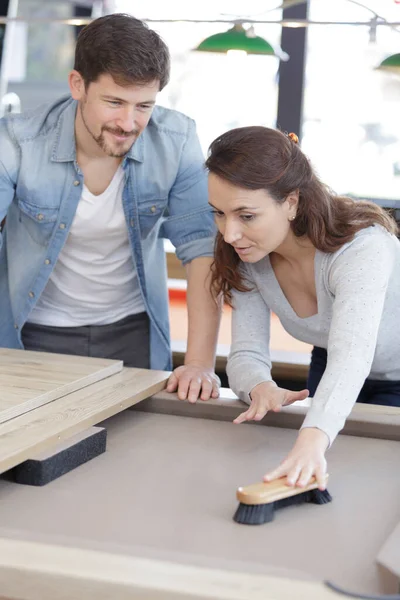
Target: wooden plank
{"points": [[379, 422], [32, 379], [36, 571], [36, 431]]}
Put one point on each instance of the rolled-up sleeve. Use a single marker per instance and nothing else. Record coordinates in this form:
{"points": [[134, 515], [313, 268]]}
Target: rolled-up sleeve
{"points": [[189, 224]]}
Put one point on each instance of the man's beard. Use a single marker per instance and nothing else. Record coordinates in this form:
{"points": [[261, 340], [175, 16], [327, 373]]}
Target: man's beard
{"points": [[100, 139]]}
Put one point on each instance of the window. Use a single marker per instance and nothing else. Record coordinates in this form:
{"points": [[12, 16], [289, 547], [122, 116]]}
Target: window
{"points": [[40, 54], [351, 125], [219, 91], [48, 47]]}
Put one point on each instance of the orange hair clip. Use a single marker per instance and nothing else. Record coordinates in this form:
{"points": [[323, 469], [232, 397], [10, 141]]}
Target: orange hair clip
{"points": [[293, 137]]}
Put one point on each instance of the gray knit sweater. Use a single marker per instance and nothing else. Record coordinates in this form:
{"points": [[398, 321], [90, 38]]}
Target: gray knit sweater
{"points": [[358, 322]]}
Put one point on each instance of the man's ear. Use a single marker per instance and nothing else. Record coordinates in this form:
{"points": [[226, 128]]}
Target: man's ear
{"points": [[76, 85]]}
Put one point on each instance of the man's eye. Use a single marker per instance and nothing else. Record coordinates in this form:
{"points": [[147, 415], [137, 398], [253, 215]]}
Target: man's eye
{"points": [[145, 106], [114, 103], [218, 213]]}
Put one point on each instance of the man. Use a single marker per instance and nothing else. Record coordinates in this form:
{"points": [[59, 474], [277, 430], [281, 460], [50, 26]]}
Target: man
{"points": [[90, 186]]}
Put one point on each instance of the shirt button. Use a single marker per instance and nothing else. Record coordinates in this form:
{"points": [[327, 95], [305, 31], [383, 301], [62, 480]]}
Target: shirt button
{"points": [[132, 221], [16, 326], [77, 182], [31, 295], [47, 262], [62, 225], [40, 217], [153, 209]]}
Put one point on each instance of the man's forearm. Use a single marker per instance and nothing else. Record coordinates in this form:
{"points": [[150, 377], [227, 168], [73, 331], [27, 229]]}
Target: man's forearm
{"points": [[204, 314]]}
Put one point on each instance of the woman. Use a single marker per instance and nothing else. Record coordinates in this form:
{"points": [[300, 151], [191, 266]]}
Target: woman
{"points": [[328, 266]]}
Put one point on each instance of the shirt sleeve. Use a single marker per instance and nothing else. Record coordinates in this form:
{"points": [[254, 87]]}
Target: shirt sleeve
{"points": [[249, 360], [189, 224], [9, 161], [358, 279]]}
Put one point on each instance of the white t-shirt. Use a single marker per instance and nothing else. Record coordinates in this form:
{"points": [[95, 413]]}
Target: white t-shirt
{"points": [[94, 281]]}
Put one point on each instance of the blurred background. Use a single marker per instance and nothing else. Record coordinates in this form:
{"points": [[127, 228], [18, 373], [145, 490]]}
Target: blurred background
{"points": [[329, 91], [328, 70]]}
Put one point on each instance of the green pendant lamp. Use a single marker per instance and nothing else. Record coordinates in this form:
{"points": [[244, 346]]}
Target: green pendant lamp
{"points": [[238, 38], [391, 64]]}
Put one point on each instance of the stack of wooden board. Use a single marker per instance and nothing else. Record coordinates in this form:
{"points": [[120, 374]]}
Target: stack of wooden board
{"points": [[47, 398], [32, 379]]}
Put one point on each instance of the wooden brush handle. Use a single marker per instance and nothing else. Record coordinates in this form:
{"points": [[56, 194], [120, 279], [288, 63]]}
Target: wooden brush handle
{"points": [[265, 493]]}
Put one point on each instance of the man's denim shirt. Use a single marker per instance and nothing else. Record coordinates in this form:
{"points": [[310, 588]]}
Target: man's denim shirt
{"points": [[165, 196]]}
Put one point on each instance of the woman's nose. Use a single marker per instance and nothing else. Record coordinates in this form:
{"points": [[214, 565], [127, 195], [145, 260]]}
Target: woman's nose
{"points": [[232, 233]]}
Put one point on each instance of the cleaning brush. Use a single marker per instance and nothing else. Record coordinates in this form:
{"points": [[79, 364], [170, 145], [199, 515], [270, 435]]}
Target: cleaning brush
{"points": [[259, 501]]}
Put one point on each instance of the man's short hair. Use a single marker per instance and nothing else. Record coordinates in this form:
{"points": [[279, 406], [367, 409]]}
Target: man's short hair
{"points": [[123, 47]]}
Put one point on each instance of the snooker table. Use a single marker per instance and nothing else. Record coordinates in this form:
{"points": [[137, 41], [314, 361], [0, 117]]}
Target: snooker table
{"points": [[152, 517]]}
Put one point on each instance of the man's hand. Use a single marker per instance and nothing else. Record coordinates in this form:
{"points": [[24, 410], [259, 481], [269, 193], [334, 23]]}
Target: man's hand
{"points": [[268, 396], [193, 382], [307, 458]]}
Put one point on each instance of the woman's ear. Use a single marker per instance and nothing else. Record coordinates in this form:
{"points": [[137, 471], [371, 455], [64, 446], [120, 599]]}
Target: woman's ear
{"points": [[292, 200]]}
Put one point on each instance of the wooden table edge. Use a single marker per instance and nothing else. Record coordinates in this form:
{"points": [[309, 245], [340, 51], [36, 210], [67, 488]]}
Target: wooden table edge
{"points": [[37, 571]]}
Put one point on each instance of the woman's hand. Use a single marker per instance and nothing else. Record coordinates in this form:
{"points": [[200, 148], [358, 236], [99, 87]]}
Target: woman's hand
{"points": [[268, 396], [307, 458]]}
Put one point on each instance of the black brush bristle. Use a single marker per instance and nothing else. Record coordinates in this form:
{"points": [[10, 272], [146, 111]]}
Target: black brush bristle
{"points": [[254, 514], [257, 514], [320, 497]]}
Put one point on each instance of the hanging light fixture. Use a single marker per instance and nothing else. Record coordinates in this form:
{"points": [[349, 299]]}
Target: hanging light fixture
{"points": [[391, 64], [239, 38]]}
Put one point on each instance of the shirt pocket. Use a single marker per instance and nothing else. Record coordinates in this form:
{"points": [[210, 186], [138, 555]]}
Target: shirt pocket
{"points": [[38, 221], [151, 215]]}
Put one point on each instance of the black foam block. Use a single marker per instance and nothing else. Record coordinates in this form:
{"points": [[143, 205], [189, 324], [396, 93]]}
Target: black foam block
{"points": [[60, 459]]}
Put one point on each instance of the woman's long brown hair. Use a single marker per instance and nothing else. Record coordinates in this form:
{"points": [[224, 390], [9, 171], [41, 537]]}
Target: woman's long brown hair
{"points": [[257, 158]]}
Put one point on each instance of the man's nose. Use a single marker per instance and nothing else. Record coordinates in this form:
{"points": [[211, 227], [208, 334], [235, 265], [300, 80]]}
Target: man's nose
{"points": [[126, 119]]}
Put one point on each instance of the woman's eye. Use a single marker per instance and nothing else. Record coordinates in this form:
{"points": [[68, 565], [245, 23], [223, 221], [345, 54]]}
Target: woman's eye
{"points": [[248, 217]]}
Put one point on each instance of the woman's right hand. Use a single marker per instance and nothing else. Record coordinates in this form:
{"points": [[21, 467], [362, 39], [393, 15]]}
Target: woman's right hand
{"points": [[268, 396]]}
